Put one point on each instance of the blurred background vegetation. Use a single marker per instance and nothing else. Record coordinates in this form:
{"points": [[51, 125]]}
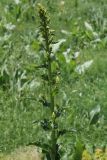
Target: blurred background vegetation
{"points": [[81, 32]]}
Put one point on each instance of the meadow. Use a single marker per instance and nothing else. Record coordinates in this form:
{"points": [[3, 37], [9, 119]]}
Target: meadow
{"points": [[81, 51]]}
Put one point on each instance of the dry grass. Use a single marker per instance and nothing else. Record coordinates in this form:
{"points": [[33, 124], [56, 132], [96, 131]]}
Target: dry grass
{"points": [[99, 154], [27, 153]]}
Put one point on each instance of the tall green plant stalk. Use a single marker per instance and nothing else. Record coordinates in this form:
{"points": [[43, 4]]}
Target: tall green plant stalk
{"points": [[52, 77]]}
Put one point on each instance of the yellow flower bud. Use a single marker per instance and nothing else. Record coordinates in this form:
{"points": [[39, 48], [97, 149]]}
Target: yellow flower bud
{"points": [[53, 115], [57, 79]]}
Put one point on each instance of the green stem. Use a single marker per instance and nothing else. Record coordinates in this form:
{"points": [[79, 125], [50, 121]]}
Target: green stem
{"points": [[53, 134], [49, 69], [50, 85], [53, 149]]}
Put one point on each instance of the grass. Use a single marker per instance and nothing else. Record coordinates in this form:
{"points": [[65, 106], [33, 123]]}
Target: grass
{"points": [[20, 84]]}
